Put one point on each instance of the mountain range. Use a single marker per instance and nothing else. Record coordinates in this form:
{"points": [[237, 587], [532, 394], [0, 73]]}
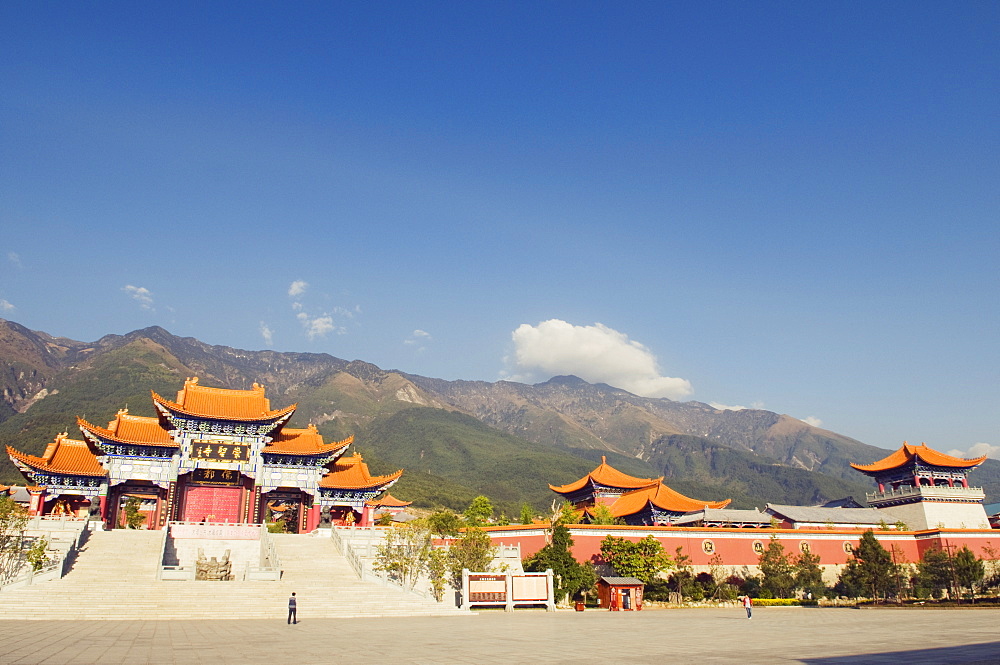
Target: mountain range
{"points": [[455, 439]]}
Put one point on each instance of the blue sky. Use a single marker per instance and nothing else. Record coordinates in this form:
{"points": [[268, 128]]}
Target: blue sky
{"points": [[786, 205]]}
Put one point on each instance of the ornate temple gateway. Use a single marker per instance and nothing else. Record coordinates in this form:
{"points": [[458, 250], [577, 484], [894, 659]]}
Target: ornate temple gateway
{"points": [[213, 455]]}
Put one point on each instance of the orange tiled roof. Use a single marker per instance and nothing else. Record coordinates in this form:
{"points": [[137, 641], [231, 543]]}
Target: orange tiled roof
{"points": [[607, 475], [127, 428], [388, 501], [662, 497], [908, 453], [63, 456], [249, 405], [304, 442], [352, 473]]}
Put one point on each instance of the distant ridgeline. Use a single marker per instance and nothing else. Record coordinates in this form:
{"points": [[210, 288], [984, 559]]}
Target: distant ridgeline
{"points": [[457, 439]]}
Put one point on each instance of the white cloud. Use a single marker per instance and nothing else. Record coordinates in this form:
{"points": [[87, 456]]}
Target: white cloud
{"points": [[726, 407], [141, 295], [14, 258], [418, 338], [266, 333], [5, 306], [596, 353], [812, 420], [320, 326], [977, 450]]}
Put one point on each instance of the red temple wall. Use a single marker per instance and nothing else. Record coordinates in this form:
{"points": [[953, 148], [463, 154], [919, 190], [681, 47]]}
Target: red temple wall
{"points": [[736, 545]]}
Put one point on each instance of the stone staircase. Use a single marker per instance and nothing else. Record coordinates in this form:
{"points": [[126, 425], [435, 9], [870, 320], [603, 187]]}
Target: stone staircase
{"points": [[114, 577]]}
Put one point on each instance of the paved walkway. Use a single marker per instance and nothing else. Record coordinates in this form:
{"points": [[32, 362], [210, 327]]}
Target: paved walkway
{"points": [[774, 635]]}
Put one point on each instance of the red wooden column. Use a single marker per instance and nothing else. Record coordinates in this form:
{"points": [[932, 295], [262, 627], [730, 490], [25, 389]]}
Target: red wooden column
{"points": [[36, 503], [312, 521], [104, 507], [366, 516]]}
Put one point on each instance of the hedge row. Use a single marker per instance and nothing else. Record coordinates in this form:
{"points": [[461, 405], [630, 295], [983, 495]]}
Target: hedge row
{"points": [[783, 602]]}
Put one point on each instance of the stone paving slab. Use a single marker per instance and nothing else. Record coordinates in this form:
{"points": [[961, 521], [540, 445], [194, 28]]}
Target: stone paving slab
{"points": [[811, 636]]}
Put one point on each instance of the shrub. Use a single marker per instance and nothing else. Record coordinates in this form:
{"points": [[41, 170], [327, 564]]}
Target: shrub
{"points": [[783, 602]]}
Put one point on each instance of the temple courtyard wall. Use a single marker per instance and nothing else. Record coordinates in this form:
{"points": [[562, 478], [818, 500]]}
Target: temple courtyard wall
{"points": [[739, 548]]}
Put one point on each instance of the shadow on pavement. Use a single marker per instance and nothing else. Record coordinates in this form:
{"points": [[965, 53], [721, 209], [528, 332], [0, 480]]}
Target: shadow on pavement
{"points": [[970, 654]]}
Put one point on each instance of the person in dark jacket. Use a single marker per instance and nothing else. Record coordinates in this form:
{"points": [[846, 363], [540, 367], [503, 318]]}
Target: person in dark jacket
{"points": [[291, 609]]}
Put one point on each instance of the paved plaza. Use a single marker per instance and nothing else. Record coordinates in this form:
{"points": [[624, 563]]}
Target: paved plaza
{"points": [[774, 635]]}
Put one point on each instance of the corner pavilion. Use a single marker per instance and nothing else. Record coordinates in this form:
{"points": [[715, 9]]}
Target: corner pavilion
{"points": [[637, 501], [926, 488], [212, 455]]}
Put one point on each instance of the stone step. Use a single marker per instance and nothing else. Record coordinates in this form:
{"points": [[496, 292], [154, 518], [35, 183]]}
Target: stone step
{"points": [[114, 577]]}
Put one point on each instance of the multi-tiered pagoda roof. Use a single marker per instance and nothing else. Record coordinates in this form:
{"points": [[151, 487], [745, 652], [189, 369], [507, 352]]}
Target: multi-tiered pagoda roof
{"points": [[62, 457], [908, 456], [635, 500], [199, 401]]}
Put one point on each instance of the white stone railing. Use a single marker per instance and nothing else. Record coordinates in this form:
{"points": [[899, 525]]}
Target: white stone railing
{"points": [[64, 536], [359, 545], [929, 491]]}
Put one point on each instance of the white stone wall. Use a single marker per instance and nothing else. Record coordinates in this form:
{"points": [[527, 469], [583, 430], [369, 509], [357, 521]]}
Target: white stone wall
{"points": [[160, 471], [938, 514], [279, 476]]}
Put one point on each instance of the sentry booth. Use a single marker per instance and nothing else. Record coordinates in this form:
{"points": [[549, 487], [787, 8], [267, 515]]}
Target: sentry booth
{"points": [[620, 593]]}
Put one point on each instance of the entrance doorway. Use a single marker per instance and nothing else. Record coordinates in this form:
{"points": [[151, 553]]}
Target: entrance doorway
{"points": [[212, 503]]}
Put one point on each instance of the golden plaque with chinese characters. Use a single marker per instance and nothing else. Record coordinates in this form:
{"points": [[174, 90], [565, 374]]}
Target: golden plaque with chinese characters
{"points": [[219, 451]]}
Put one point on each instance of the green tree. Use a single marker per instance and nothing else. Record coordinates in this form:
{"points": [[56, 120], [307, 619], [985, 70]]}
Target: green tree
{"points": [[683, 578], [643, 560], [601, 514], [571, 576], [934, 572], [721, 588], [527, 514], [445, 523], [404, 553], [876, 570], [473, 550], [969, 570], [778, 573], [808, 575], [37, 556], [479, 512], [436, 567], [133, 517], [565, 513], [13, 520], [850, 582]]}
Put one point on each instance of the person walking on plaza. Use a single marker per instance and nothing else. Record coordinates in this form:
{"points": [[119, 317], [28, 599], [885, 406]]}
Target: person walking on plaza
{"points": [[747, 603], [291, 609]]}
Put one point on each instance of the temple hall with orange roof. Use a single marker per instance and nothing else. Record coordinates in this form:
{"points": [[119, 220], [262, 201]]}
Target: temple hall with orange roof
{"points": [[211, 455]]}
